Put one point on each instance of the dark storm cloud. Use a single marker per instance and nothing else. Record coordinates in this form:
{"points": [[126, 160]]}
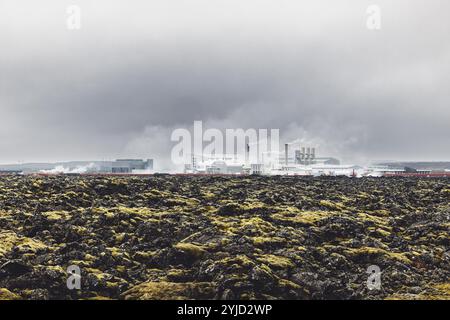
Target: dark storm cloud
{"points": [[133, 73]]}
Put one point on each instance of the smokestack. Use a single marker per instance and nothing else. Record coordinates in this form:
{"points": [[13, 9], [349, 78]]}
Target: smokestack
{"points": [[313, 153], [308, 155], [297, 157], [303, 155], [286, 149], [247, 153]]}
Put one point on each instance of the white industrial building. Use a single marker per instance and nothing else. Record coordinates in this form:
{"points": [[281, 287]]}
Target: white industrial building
{"points": [[301, 161]]}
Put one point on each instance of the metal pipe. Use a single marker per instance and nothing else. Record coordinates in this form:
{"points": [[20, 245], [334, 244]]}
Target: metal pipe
{"points": [[286, 148]]}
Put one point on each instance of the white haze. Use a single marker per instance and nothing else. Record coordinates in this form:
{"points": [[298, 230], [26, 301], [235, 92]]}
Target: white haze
{"points": [[62, 169]]}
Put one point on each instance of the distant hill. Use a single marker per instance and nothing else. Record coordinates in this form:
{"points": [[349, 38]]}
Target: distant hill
{"points": [[419, 165]]}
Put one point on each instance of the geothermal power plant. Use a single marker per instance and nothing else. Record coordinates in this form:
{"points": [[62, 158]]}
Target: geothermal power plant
{"points": [[294, 160], [300, 161]]}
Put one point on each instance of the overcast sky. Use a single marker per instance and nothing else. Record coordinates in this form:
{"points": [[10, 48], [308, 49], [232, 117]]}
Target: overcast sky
{"points": [[138, 69]]}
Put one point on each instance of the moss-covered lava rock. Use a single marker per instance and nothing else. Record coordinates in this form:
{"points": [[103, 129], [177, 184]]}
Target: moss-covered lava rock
{"points": [[205, 237]]}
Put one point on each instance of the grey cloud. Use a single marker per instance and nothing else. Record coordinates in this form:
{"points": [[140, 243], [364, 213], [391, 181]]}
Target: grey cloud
{"points": [[311, 68]]}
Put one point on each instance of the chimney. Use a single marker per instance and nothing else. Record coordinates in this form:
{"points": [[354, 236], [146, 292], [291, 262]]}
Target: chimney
{"points": [[297, 157], [247, 153], [286, 148], [308, 155], [313, 153], [303, 155]]}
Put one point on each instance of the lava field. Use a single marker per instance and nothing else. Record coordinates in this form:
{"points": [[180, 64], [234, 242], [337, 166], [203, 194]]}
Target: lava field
{"points": [[213, 237]]}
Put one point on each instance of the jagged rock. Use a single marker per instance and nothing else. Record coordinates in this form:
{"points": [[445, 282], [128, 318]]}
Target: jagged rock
{"points": [[203, 237], [14, 268]]}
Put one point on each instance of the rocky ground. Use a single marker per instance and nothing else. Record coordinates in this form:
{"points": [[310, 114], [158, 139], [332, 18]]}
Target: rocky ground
{"points": [[178, 237]]}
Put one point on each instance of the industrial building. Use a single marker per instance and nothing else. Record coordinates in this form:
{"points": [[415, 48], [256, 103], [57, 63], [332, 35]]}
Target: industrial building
{"points": [[305, 156], [9, 172], [216, 166], [122, 166], [130, 165], [299, 161]]}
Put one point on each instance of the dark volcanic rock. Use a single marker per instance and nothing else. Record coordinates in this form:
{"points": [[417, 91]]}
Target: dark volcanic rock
{"points": [[204, 237]]}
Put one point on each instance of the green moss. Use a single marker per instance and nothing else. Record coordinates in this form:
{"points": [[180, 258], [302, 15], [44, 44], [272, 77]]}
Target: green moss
{"points": [[301, 217], [264, 241], [288, 284], [208, 195], [58, 269], [370, 251], [81, 263], [382, 212], [190, 248], [275, 261], [177, 274], [89, 257], [115, 252], [228, 225], [255, 204], [379, 221], [118, 238], [99, 298], [100, 275], [121, 269], [9, 240], [440, 291], [256, 222], [5, 294], [82, 231], [57, 215], [169, 291], [144, 255], [332, 205], [240, 260], [383, 233], [142, 211], [104, 211]]}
